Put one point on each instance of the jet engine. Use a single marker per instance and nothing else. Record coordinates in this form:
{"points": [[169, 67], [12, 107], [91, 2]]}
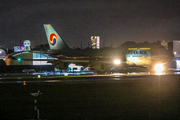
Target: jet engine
{"points": [[61, 65], [100, 67]]}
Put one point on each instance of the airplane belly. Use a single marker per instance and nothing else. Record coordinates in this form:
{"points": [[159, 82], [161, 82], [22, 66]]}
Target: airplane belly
{"points": [[75, 61]]}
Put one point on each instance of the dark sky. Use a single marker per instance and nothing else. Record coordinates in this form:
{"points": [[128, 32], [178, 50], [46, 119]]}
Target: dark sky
{"points": [[114, 21]]}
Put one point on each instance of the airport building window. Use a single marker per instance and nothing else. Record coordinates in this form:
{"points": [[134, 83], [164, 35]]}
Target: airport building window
{"points": [[41, 59]]}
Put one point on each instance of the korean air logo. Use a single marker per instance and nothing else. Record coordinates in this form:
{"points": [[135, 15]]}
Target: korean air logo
{"points": [[53, 39]]}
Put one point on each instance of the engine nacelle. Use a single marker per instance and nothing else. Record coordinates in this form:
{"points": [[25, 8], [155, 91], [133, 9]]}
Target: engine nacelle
{"points": [[101, 67], [61, 65]]}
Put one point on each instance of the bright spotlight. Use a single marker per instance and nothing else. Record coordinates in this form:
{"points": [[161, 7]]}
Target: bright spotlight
{"points": [[117, 62], [39, 76], [159, 68]]}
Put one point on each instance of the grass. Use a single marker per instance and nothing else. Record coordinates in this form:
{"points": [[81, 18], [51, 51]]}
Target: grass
{"points": [[140, 99]]}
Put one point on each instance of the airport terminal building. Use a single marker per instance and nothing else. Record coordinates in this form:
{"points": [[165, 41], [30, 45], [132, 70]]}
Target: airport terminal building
{"points": [[23, 58], [37, 60], [174, 47]]}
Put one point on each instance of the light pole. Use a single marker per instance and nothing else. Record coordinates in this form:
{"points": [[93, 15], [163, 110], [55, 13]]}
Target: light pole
{"points": [[36, 94]]}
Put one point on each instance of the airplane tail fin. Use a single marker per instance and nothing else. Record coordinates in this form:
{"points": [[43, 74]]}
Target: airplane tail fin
{"points": [[54, 40]]}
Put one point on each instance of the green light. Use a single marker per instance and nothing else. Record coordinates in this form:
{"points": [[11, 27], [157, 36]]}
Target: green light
{"points": [[19, 59]]}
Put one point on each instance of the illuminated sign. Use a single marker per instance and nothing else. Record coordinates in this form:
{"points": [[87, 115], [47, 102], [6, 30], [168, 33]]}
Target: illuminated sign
{"points": [[95, 42], [22, 47], [138, 52], [26, 45], [17, 48], [53, 39]]}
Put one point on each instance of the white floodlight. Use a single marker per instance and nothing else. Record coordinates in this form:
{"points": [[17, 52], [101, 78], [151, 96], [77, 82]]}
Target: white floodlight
{"points": [[39, 76], [117, 62], [159, 68]]}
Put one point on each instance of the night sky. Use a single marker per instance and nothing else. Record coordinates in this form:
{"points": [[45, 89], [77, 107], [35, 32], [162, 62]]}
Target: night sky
{"points": [[115, 21]]}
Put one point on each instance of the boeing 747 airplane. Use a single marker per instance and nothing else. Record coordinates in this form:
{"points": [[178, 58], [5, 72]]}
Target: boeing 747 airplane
{"points": [[101, 60]]}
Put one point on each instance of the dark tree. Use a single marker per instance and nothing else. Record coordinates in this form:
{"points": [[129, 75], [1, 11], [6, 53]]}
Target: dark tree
{"points": [[42, 47], [2, 66]]}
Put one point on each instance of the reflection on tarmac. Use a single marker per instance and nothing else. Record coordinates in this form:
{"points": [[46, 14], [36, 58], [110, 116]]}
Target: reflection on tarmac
{"points": [[145, 73], [39, 78]]}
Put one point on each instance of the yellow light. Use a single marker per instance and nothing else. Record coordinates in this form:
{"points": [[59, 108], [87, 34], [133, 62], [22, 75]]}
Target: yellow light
{"points": [[159, 68], [132, 48], [24, 83], [117, 62]]}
